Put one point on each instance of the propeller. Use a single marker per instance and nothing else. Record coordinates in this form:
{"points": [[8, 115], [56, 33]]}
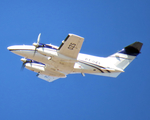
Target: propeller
{"points": [[24, 60], [37, 44]]}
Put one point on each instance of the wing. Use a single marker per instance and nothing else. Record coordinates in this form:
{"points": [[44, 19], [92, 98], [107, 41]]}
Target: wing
{"points": [[51, 74], [47, 78], [71, 46]]}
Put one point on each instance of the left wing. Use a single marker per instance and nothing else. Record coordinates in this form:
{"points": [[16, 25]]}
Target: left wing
{"points": [[71, 46], [47, 78]]}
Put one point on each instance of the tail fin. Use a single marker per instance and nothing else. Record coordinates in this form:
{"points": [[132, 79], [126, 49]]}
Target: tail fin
{"points": [[124, 57]]}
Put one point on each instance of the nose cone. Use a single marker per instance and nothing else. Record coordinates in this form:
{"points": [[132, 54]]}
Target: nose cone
{"points": [[15, 47], [10, 48], [22, 50], [20, 47]]}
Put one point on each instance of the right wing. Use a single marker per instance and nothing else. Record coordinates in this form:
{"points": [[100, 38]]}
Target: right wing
{"points": [[71, 46], [51, 74], [47, 78]]}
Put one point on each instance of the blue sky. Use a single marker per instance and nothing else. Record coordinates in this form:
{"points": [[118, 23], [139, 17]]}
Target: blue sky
{"points": [[107, 26]]}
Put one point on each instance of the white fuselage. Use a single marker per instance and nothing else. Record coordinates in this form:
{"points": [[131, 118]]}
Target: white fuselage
{"points": [[58, 62], [52, 62]]}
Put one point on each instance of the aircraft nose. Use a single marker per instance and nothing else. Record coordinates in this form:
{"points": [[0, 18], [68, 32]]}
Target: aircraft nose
{"points": [[10, 48]]}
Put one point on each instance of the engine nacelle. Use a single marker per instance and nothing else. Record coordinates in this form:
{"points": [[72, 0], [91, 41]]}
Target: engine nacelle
{"points": [[36, 67], [47, 51]]}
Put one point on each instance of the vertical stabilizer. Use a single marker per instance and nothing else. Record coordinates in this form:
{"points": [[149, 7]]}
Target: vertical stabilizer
{"points": [[124, 57]]}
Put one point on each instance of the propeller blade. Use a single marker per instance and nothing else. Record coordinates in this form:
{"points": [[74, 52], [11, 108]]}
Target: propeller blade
{"points": [[24, 60], [38, 39], [34, 52], [37, 44], [23, 66]]}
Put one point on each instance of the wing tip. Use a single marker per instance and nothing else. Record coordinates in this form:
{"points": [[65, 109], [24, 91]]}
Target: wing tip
{"points": [[74, 35]]}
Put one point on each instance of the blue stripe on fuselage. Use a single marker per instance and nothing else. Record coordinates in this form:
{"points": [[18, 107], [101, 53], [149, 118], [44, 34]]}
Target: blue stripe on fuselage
{"points": [[33, 61], [46, 46]]}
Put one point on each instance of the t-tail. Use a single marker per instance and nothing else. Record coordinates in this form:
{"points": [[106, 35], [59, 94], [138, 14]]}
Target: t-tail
{"points": [[123, 58]]}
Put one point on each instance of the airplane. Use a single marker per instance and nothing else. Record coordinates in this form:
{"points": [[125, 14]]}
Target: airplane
{"points": [[51, 62]]}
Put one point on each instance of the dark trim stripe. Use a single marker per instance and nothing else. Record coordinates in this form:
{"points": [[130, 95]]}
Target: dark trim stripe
{"points": [[92, 66], [46, 46], [63, 42], [33, 61], [95, 66]]}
